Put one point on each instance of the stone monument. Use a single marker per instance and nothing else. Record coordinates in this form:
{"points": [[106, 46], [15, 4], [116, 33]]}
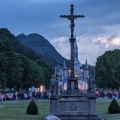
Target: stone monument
{"points": [[73, 104]]}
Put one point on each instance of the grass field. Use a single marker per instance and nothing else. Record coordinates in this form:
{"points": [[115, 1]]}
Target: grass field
{"points": [[102, 109], [16, 110]]}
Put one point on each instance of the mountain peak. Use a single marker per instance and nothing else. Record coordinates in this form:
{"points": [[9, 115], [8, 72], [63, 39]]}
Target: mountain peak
{"points": [[22, 35], [41, 46], [34, 35]]}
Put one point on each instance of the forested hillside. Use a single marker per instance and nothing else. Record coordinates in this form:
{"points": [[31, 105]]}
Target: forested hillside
{"points": [[108, 69], [41, 46], [21, 67]]}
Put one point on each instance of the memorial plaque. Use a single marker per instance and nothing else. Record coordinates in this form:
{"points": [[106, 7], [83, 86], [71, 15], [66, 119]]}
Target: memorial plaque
{"points": [[73, 106]]}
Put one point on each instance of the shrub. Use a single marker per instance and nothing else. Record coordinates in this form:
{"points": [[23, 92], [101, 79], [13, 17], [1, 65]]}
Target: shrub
{"points": [[114, 107], [32, 108]]}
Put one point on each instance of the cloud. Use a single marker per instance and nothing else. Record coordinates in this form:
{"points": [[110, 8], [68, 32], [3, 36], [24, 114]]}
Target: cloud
{"points": [[112, 37], [97, 42], [97, 32], [82, 53]]}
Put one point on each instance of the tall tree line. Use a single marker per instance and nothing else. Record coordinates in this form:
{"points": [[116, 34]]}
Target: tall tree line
{"points": [[108, 69], [20, 71]]}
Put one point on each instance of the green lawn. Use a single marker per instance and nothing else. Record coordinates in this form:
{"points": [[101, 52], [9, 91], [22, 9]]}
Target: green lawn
{"points": [[16, 110], [102, 109]]}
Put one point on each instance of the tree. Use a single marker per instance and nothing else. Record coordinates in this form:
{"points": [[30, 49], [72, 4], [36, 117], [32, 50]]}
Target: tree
{"points": [[114, 107], [32, 108], [107, 69], [19, 68], [3, 70], [47, 71]]}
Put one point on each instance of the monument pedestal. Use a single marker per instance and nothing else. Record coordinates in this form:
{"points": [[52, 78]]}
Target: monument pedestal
{"points": [[74, 105]]}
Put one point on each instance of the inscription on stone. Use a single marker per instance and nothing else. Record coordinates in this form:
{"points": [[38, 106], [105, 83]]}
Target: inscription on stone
{"points": [[73, 107]]}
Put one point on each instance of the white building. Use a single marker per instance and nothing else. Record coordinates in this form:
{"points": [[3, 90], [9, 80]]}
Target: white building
{"points": [[82, 73]]}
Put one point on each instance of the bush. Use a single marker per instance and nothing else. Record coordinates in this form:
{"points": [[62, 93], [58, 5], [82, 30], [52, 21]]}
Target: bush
{"points": [[114, 107], [32, 108]]}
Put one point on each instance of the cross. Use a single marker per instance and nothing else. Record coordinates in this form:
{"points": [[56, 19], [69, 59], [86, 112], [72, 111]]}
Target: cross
{"points": [[71, 18]]}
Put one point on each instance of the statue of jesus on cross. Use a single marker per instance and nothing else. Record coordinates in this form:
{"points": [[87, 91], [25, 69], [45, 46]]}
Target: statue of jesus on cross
{"points": [[71, 18]]}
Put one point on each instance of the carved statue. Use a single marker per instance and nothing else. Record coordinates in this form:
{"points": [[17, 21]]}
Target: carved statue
{"points": [[53, 86], [71, 17]]}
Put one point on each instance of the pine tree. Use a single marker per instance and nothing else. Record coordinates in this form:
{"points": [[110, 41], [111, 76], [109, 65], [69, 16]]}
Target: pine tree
{"points": [[32, 108], [114, 107]]}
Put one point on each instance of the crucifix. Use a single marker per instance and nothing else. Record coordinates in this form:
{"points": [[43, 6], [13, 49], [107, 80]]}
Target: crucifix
{"points": [[71, 17]]}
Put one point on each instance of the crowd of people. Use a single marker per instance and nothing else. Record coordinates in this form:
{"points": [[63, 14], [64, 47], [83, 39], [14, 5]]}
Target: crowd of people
{"points": [[24, 95], [101, 93], [108, 93]]}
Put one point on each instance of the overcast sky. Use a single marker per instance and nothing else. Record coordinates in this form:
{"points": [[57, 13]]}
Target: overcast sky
{"points": [[96, 33]]}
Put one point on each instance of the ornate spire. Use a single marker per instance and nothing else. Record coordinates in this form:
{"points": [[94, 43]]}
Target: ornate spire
{"points": [[86, 65]]}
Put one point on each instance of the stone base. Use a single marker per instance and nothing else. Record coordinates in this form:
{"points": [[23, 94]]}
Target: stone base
{"points": [[81, 117], [74, 105]]}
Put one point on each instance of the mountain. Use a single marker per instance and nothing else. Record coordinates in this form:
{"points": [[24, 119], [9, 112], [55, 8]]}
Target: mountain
{"points": [[40, 45], [5, 34]]}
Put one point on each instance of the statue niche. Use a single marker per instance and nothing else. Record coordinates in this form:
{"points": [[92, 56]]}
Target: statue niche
{"points": [[53, 86]]}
